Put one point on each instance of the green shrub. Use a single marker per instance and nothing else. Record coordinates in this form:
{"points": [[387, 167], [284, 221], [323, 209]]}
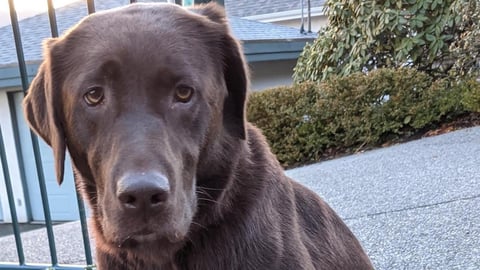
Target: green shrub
{"points": [[470, 95], [356, 111], [434, 36], [285, 116], [387, 103]]}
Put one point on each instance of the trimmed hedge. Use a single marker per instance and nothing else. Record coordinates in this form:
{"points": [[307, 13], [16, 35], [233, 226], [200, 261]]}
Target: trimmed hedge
{"points": [[287, 117], [303, 121], [471, 95]]}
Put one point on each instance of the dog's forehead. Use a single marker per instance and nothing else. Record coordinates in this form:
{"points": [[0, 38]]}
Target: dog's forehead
{"points": [[148, 26], [142, 35]]}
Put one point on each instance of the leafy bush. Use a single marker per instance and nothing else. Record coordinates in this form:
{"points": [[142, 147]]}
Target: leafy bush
{"points": [[367, 109], [434, 36], [466, 47], [285, 116], [303, 121], [471, 95]]}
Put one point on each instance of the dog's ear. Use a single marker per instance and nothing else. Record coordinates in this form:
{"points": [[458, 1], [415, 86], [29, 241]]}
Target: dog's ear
{"points": [[41, 110], [236, 80], [235, 72]]}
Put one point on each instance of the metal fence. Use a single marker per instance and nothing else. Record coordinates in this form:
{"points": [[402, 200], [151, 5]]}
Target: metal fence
{"points": [[36, 150]]}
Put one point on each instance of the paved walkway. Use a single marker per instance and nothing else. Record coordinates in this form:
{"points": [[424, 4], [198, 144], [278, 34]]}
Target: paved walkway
{"points": [[413, 206]]}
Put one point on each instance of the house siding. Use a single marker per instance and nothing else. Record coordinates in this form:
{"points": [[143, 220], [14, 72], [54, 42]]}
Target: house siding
{"points": [[270, 74]]}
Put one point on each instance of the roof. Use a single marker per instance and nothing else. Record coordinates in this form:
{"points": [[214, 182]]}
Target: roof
{"points": [[36, 28], [245, 8], [249, 30], [261, 41]]}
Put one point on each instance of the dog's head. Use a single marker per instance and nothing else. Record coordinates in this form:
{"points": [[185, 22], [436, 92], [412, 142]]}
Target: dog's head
{"points": [[141, 96]]}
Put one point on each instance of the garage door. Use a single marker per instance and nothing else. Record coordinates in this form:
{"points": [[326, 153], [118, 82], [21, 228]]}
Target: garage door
{"points": [[62, 200]]}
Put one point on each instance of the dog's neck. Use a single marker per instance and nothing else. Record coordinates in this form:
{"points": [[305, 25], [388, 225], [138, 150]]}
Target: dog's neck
{"points": [[234, 196]]}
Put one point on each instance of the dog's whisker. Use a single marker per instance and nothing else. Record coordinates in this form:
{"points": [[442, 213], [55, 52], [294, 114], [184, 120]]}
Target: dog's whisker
{"points": [[209, 200], [201, 192], [199, 225], [123, 241], [206, 188]]}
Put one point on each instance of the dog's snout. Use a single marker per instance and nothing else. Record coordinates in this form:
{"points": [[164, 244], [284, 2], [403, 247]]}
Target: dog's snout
{"points": [[143, 191]]}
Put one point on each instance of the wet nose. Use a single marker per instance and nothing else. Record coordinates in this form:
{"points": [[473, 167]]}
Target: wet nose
{"points": [[138, 192]]}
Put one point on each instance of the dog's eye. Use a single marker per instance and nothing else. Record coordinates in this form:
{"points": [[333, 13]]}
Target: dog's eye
{"points": [[94, 96], [183, 94]]}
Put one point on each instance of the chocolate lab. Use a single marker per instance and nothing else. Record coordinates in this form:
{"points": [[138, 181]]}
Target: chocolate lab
{"points": [[149, 100]]}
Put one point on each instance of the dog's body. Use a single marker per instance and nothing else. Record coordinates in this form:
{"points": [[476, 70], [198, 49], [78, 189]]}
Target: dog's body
{"points": [[149, 100]]}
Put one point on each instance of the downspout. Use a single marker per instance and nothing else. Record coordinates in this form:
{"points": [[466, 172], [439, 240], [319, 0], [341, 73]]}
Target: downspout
{"points": [[309, 15], [302, 26]]}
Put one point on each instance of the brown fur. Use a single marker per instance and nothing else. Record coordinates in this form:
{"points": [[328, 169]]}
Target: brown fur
{"points": [[227, 203]]}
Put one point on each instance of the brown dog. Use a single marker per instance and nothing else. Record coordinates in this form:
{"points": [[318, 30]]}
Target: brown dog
{"points": [[149, 99]]}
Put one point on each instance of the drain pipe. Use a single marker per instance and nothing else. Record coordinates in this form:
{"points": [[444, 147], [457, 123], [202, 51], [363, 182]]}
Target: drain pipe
{"points": [[302, 26], [309, 16]]}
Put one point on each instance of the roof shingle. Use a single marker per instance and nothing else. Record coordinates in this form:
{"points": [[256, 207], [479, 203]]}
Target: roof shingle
{"points": [[246, 8]]}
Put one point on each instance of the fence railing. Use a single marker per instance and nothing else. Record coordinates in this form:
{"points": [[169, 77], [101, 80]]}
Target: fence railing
{"points": [[22, 264]]}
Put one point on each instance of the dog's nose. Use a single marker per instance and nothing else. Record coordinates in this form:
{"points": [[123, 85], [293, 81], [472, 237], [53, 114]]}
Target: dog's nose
{"points": [[143, 191]]}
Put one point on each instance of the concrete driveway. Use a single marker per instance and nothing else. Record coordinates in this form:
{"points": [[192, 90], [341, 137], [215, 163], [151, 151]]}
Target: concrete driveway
{"points": [[413, 206]]}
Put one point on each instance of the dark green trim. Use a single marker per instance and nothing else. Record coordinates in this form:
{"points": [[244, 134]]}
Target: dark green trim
{"points": [[271, 56], [256, 51], [10, 75]]}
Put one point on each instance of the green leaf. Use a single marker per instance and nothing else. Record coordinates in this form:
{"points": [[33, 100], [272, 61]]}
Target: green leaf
{"points": [[430, 37]]}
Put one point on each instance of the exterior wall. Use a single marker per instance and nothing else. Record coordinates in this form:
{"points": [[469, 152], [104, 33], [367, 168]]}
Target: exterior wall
{"points": [[264, 75]]}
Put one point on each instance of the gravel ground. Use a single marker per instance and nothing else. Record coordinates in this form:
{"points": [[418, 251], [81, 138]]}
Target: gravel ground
{"points": [[413, 206]]}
